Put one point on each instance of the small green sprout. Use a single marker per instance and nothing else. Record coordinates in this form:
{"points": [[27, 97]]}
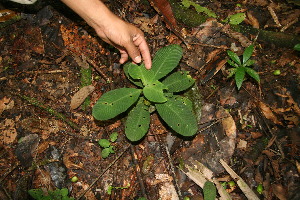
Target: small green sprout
{"points": [[106, 145], [74, 179], [242, 67], [260, 188], [110, 188], [277, 72]]}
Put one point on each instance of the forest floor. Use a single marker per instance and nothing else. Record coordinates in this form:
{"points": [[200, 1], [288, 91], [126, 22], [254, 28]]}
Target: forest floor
{"points": [[46, 50]]}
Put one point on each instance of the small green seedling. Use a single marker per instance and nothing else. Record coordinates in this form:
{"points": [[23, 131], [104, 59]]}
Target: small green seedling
{"points": [[74, 179], [158, 88], [106, 145], [260, 188], [242, 67], [58, 194], [110, 188], [277, 72]]}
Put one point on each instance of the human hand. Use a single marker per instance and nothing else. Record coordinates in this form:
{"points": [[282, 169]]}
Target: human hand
{"points": [[127, 38]]}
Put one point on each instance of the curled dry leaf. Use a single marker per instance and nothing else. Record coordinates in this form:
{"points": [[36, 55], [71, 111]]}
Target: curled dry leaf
{"points": [[268, 113], [5, 104], [252, 20], [81, 95]]}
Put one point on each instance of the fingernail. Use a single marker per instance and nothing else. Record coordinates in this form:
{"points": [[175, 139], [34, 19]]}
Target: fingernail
{"points": [[138, 59]]}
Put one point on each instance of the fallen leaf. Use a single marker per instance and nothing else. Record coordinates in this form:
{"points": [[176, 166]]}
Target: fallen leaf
{"points": [[81, 95], [268, 113], [8, 132], [6, 104], [280, 191], [252, 20]]}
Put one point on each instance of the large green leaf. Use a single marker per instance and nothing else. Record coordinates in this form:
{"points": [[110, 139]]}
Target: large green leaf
{"points": [[234, 57], [165, 60], [137, 123], [179, 116], [137, 82], [247, 53], [253, 74], [154, 92], [115, 102], [239, 76], [140, 72], [178, 81]]}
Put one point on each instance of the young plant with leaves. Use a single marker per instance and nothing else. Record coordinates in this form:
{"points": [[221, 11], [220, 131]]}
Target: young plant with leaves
{"points": [[158, 88], [241, 68]]}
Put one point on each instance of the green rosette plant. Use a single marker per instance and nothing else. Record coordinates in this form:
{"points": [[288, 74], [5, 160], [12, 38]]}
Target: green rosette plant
{"points": [[158, 87]]}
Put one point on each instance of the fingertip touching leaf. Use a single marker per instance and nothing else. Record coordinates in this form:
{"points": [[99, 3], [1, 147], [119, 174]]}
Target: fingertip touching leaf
{"points": [[248, 53], [239, 76], [165, 60], [140, 72], [136, 82], [178, 81], [115, 102], [137, 123], [234, 57]]}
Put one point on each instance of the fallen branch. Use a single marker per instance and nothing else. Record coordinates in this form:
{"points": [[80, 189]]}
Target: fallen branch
{"points": [[51, 111]]}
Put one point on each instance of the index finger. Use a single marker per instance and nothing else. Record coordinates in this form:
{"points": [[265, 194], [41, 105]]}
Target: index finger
{"points": [[144, 49]]}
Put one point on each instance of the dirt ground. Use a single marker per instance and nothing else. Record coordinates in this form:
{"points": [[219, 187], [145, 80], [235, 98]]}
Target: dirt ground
{"points": [[48, 53]]}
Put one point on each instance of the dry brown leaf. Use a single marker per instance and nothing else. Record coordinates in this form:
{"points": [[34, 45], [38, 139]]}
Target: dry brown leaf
{"points": [[280, 191], [164, 7], [228, 123], [5, 104], [81, 95], [67, 159], [8, 132], [268, 113], [252, 20]]}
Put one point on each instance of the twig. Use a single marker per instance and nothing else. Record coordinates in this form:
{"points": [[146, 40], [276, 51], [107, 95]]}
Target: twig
{"points": [[241, 183], [274, 16], [173, 171], [289, 24], [98, 69], [138, 173], [53, 112], [107, 168]]}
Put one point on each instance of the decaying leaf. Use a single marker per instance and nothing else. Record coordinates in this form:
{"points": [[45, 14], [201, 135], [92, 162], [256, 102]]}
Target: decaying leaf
{"points": [[81, 95], [268, 113], [8, 132], [280, 191], [252, 20], [5, 104], [228, 123], [67, 159]]}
